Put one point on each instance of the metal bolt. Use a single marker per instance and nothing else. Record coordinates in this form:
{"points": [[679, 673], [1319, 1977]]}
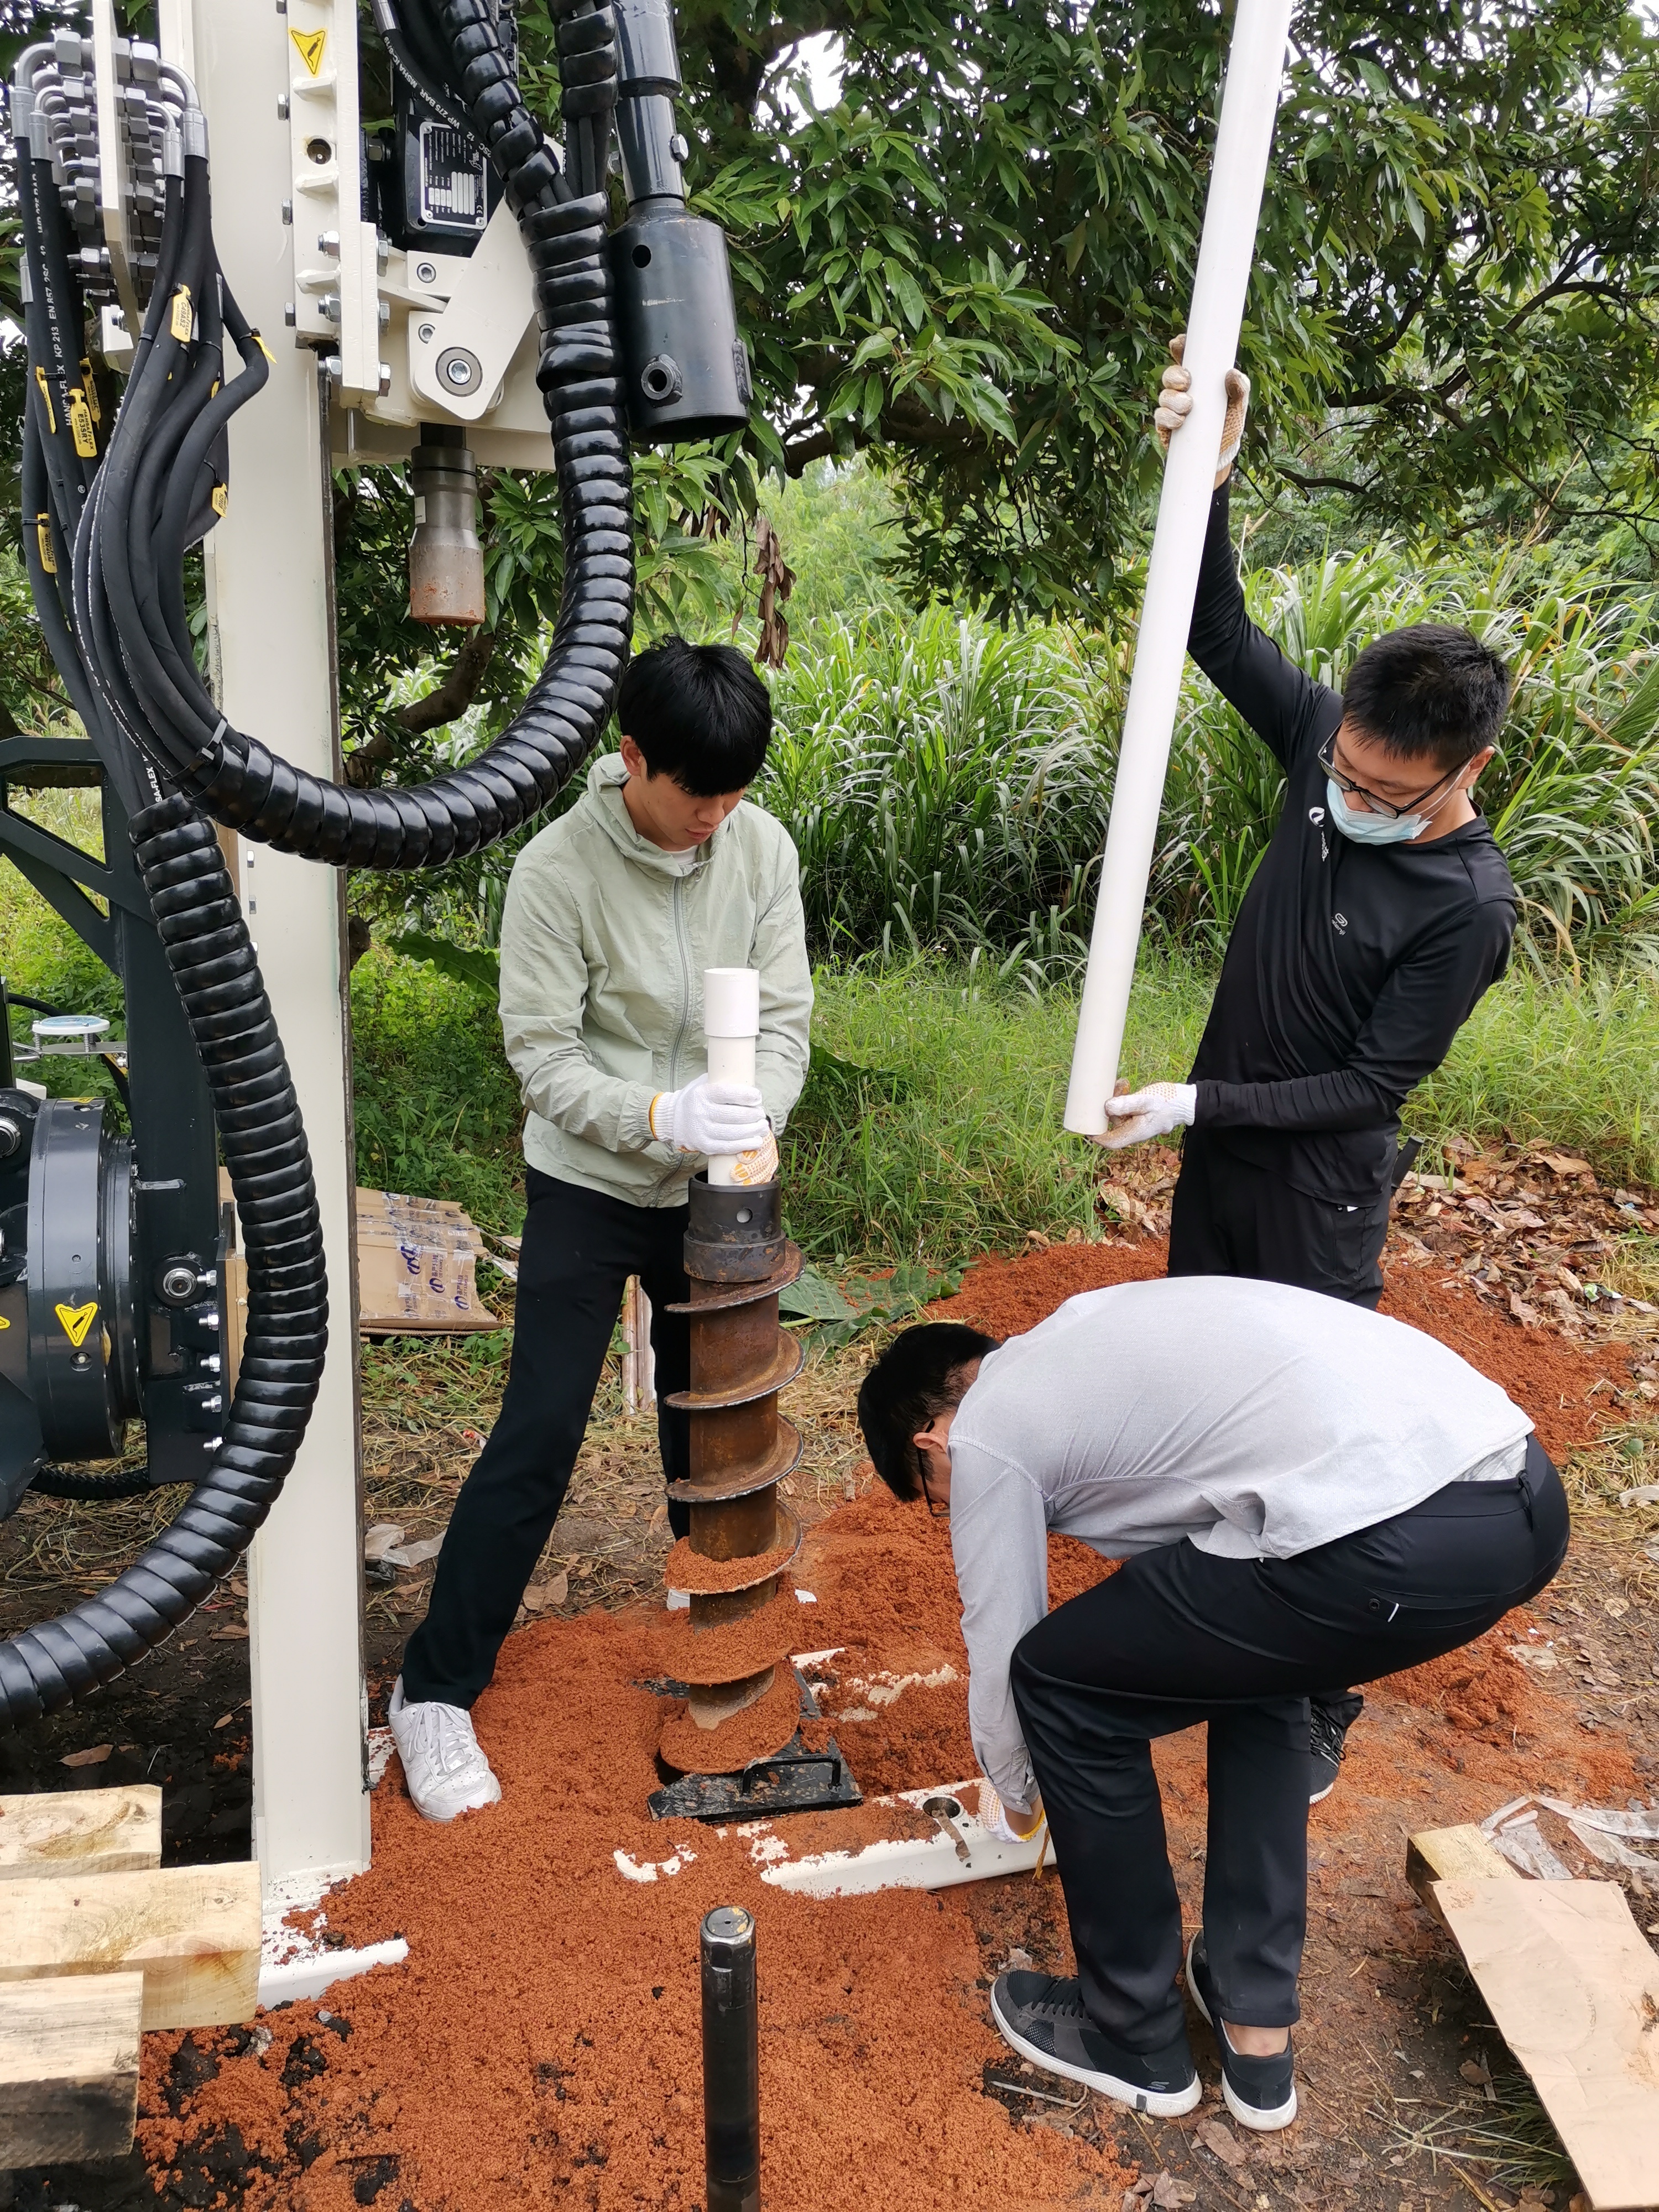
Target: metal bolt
{"points": [[386, 379], [677, 147], [290, 314], [328, 241], [12, 1136], [282, 108], [178, 1283], [426, 333], [426, 272], [288, 210]]}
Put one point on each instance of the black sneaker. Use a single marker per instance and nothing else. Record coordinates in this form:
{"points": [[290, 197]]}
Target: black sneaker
{"points": [[1042, 2017], [1261, 2092], [1328, 1744]]}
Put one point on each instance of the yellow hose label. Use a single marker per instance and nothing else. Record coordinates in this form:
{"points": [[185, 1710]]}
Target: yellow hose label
{"points": [[46, 397], [4, 1323], [43, 532], [89, 390], [76, 1321], [79, 415], [221, 500], [311, 44], [183, 319]]}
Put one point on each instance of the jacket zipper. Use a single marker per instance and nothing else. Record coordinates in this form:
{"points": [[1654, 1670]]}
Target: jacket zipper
{"points": [[677, 899]]}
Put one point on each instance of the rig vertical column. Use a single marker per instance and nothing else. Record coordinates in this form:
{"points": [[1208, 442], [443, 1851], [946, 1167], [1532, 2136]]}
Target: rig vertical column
{"points": [[271, 606]]}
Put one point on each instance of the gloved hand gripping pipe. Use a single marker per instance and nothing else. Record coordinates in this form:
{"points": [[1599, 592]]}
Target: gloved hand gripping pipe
{"points": [[128, 656]]}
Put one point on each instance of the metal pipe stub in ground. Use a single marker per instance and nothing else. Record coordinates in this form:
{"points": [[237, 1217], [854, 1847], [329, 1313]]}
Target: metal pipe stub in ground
{"points": [[743, 1701], [731, 2060]]}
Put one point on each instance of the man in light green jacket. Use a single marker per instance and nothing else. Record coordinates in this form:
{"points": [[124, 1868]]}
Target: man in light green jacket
{"points": [[613, 913]]}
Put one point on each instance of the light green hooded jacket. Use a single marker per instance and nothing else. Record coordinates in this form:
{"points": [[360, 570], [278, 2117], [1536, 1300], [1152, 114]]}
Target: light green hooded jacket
{"points": [[604, 941]]}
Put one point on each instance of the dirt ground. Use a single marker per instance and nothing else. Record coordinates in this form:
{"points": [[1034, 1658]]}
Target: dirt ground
{"points": [[540, 2047]]}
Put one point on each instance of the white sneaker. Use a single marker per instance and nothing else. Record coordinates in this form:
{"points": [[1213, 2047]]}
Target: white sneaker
{"points": [[446, 1771]]}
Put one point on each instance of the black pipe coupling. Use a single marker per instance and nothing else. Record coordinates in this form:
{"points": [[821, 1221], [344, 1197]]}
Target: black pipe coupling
{"points": [[735, 1234]]}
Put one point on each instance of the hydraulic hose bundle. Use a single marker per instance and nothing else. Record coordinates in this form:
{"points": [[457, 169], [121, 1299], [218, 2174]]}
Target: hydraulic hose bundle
{"points": [[106, 544]]}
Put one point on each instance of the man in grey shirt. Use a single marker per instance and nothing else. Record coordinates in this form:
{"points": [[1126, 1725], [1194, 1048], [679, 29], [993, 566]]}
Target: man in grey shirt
{"points": [[1303, 1490]]}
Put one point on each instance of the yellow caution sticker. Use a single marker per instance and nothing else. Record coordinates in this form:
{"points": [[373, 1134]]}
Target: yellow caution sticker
{"points": [[311, 44], [46, 398], [89, 390], [183, 319], [4, 1323], [43, 532], [79, 415], [76, 1321], [221, 499]]}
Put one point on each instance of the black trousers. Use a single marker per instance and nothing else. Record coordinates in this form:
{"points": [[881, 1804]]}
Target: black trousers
{"points": [[580, 1248], [1177, 1637], [1230, 1217]]}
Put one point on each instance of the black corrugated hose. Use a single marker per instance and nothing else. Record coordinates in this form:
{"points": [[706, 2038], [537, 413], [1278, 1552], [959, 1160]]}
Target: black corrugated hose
{"points": [[121, 625]]}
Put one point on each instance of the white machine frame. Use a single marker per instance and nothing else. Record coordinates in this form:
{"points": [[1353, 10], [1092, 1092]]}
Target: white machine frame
{"points": [[355, 330]]}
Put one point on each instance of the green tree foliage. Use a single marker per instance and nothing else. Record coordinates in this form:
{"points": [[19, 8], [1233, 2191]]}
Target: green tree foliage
{"points": [[970, 264]]}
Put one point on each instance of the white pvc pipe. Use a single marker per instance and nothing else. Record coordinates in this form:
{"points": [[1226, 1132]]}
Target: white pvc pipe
{"points": [[731, 1023], [1255, 67]]}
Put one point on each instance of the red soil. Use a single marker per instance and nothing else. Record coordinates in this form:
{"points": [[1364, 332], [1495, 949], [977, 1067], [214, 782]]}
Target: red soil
{"points": [[541, 2044], [756, 1732]]}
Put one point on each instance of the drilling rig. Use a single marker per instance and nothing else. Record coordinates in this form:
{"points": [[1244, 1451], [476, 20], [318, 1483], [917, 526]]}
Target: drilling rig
{"points": [[234, 288]]}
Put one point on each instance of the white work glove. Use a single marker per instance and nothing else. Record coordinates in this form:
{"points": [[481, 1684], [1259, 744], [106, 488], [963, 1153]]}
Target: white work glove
{"points": [[996, 1816], [1153, 1112], [711, 1118], [1175, 404]]}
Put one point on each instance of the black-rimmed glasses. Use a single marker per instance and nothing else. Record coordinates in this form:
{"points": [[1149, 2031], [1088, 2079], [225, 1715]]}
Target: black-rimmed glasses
{"points": [[1391, 809], [936, 1511]]}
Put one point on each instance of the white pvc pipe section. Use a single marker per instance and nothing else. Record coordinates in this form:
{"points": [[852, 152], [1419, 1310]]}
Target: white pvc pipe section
{"points": [[1255, 67], [731, 1023]]}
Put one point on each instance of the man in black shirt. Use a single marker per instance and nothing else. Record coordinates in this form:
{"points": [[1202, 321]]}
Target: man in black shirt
{"points": [[1380, 912]]}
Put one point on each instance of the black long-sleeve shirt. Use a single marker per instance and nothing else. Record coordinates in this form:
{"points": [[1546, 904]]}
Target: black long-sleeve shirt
{"points": [[1351, 967]]}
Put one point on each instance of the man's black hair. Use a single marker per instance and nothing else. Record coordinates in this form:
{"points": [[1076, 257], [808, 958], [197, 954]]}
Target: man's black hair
{"points": [[698, 713], [918, 1378], [1428, 691]]}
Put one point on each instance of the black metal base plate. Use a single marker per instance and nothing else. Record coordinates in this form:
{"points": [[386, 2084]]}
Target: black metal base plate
{"points": [[795, 1780]]}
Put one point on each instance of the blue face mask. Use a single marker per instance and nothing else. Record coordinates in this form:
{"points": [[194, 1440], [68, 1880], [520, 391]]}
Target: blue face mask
{"points": [[1372, 829]]}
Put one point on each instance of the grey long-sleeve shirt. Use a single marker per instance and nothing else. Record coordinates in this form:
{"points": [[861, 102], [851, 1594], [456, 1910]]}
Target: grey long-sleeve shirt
{"points": [[1257, 1421]]}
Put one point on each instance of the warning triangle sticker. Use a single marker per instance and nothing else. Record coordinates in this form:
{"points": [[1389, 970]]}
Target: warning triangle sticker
{"points": [[311, 44], [76, 1321]]}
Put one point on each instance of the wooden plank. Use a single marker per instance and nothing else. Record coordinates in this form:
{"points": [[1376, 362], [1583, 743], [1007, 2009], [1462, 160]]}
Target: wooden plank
{"points": [[1436, 1854], [1574, 1991], [192, 1931], [69, 2068], [80, 1832]]}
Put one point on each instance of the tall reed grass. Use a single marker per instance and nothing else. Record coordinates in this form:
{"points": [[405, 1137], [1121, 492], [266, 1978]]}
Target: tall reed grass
{"points": [[948, 784]]}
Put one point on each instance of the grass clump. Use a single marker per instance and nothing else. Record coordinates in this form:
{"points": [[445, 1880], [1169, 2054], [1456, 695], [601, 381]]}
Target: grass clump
{"points": [[951, 1144], [436, 1105]]}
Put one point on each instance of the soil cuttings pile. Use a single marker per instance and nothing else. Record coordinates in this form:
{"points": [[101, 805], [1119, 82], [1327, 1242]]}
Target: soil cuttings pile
{"points": [[541, 2045]]}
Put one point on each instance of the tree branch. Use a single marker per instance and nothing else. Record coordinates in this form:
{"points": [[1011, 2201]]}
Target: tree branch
{"points": [[451, 699], [457, 690]]}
